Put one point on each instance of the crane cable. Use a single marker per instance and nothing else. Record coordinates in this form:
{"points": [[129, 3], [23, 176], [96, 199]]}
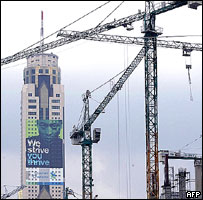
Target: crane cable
{"points": [[110, 14], [127, 114], [80, 116], [190, 85], [68, 24], [129, 163], [190, 143], [107, 81], [118, 125], [126, 135]]}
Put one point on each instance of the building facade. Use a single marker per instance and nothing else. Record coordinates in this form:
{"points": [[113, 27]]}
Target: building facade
{"points": [[42, 128]]}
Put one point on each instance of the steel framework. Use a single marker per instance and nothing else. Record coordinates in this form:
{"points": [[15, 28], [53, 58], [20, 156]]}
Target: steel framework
{"points": [[160, 8], [86, 153], [151, 105]]}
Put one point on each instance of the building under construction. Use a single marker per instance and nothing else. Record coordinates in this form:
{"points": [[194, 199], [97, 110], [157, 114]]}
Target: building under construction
{"points": [[176, 185]]}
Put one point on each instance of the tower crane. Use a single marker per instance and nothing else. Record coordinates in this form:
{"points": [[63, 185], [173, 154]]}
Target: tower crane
{"points": [[151, 109], [160, 8], [5, 196], [82, 135]]}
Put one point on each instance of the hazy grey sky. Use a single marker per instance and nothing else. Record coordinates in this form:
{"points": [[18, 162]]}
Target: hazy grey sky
{"points": [[88, 64]]}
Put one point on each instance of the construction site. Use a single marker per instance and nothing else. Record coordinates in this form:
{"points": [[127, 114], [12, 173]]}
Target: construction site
{"points": [[101, 100]]}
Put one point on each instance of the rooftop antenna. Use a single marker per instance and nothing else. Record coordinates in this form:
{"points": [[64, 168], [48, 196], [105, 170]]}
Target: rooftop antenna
{"points": [[42, 31]]}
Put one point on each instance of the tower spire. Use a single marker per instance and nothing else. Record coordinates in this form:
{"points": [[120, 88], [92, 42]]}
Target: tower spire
{"points": [[42, 30]]}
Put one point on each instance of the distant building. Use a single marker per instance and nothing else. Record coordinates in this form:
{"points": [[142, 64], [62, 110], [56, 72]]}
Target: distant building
{"points": [[42, 129]]}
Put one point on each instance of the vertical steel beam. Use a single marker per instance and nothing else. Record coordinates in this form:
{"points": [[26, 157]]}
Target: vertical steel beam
{"points": [[87, 171], [151, 104], [86, 154]]}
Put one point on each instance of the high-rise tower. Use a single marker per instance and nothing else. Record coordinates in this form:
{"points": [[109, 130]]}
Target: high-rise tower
{"points": [[42, 129]]}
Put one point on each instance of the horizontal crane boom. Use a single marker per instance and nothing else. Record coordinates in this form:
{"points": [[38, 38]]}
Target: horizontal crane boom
{"points": [[140, 41], [81, 35], [104, 38]]}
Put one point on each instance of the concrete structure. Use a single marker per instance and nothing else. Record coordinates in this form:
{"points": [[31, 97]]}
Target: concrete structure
{"points": [[182, 183], [42, 128], [198, 176]]}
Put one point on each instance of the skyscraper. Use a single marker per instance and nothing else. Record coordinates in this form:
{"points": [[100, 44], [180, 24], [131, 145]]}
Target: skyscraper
{"points": [[42, 128]]}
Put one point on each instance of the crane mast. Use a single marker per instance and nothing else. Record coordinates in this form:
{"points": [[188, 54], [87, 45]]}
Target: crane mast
{"points": [[86, 153], [151, 105]]}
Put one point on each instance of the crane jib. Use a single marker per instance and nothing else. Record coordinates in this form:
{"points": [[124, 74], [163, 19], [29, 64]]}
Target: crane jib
{"points": [[116, 88], [170, 5]]}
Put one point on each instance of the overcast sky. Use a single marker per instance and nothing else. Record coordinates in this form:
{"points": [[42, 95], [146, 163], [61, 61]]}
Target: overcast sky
{"points": [[88, 64]]}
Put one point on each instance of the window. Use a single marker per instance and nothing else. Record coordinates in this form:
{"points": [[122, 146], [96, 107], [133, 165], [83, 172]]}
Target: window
{"points": [[31, 100], [59, 80], [27, 80], [33, 79], [55, 107], [27, 72], [57, 95], [55, 113], [40, 70], [32, 106], [46, 71], [55, 101], [49, 60], [33, 71], [54, 79], [29, 94], [54, 71], [31, 113], [47, 113]]}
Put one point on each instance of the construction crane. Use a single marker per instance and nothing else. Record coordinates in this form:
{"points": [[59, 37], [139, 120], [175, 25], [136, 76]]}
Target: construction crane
{"points": [[160, 8], [19, 188], [151, 111], [82, 135]]}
